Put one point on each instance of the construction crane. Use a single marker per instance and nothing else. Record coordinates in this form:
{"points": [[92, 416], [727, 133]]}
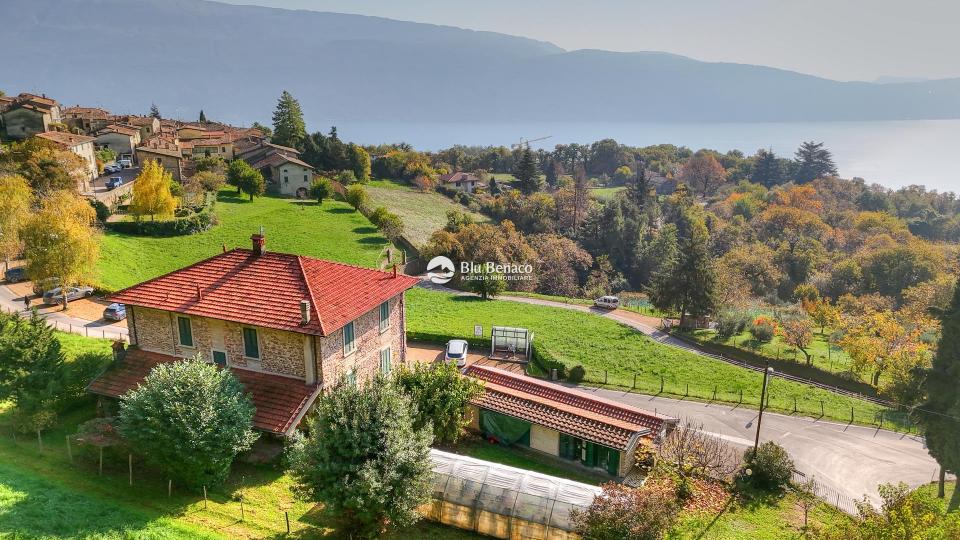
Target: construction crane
{"points": [[526, 142]]}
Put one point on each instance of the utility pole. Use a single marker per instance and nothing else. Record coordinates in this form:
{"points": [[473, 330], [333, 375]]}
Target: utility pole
{"points": [[763, 395]]}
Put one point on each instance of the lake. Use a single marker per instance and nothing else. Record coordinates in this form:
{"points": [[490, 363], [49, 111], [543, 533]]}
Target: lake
{"points": [[893, 154]]}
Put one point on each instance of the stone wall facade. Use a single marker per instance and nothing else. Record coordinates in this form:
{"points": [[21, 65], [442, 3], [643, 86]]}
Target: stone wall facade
{"points": [[284, 353]]}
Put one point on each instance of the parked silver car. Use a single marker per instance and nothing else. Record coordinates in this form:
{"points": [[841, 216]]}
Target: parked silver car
{"points": [[55, 296]]}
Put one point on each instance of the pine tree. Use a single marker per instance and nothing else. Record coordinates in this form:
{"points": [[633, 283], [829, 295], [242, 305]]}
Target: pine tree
{"points": [[766, 169], [203, 117], [154, 111], [814, 161], [940, 415], [688, 283], [639, 189], [289, 128], [527, 172]]}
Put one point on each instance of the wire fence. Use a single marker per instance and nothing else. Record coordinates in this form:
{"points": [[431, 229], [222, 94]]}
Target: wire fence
{"points": [[90, 330], [827, 494]]}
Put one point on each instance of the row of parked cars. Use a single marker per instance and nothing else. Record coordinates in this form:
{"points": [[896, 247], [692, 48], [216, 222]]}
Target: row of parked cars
{"points": [[52, 294]]}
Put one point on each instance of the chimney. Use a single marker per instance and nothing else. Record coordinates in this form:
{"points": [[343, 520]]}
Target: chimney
{"points": [[304, 312], [394, 270], [199, 293], [258, 243]]}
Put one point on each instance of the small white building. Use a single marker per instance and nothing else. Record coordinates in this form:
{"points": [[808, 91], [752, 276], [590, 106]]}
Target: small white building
{"points": [[285, 174], [122, 139], [461, 181]]}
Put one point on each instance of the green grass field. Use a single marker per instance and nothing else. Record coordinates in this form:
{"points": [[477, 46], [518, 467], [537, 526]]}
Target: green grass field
{"points": [[606, 193], [422, 213], [600, 345], [331, 231], [834, 360]]}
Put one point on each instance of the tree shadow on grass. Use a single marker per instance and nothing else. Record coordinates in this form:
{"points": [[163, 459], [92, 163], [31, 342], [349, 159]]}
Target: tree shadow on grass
{"points": [[373, 240], [365, 230], [306, 203], [340, 210], [233, 198]]}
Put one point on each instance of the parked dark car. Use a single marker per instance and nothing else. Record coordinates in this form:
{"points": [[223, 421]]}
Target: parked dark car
{"points": [[15, 275], [115, 312], [55, 296], [114, 182]]}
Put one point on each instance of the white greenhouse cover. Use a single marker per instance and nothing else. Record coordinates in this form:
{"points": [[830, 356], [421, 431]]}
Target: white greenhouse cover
{"points": [[513, 479]]}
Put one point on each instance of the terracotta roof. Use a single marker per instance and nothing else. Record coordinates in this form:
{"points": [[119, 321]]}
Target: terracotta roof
{"points": [[161, 146], [64, 138], [458, 177], [279, 400], [137, 120], [569, 411], [86, 112], [130, 131], [266, 290], [278, 158]]}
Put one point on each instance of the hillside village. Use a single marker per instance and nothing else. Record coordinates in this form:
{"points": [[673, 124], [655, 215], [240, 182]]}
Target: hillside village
{"points": [[283, 359]]}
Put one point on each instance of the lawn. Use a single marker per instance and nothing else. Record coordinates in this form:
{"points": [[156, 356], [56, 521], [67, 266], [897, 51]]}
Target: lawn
{"points": [[422, 213], [331, 231], [619, 355], [779, 518], [44, 495], [606, 193], [74, 345]]}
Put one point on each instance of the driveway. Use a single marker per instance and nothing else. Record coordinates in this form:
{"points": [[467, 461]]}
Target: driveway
{"points": [[98, 184]]}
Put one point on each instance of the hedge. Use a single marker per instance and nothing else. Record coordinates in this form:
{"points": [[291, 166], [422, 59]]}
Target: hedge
{"points": [[194, 223]]}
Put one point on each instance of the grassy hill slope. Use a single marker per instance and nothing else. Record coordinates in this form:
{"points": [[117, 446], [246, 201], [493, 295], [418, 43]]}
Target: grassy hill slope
{"points": [[422, 213]]}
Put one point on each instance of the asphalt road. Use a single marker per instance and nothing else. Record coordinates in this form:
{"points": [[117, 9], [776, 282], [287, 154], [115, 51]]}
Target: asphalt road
{"points": [[851, 460], [9, 302]]}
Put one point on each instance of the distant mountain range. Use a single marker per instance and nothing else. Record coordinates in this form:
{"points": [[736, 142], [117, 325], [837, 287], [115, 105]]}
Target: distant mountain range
{"points": [[233, 62]]}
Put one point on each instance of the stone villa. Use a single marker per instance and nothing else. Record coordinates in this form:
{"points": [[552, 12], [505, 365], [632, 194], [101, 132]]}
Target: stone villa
{"points": [[289, 327]]}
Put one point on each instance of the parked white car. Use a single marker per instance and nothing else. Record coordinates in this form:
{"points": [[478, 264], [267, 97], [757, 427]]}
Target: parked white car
{"points": [[456, 351], [607, 302]]}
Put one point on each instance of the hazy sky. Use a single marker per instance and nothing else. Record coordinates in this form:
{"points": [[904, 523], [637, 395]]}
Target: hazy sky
{"points": [[839, 39]]}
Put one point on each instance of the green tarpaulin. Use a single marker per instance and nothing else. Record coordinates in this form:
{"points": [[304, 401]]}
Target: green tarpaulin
{"points": [[506, 429]]}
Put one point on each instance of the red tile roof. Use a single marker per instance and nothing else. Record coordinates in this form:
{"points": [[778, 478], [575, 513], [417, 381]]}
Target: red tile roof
{"points": [[458, 177], [279, 400], [276, 159], [266, 290], [65, 139], [569, 411]]}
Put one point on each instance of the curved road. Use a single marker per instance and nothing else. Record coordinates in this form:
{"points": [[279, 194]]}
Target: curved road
{"points": [[848, 459]]}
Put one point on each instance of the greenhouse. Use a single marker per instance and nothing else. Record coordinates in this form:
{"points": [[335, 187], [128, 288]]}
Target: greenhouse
{"points": [[504, 502]]}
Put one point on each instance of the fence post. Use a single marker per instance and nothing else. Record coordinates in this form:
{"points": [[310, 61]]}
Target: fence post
{"points": [[204, 497], [661, 384], [688, 390], [130, 467], [794, 403], [286, 516], [39, 440], [604, 376], [821, 408], [851, 414], [86, 331], [169, 488], [714, 392], [69, 450], [634, 381], [741, 396], [881, 418]]}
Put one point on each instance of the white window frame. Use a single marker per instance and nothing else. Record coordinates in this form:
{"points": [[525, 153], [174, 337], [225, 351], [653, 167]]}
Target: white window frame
{"points": [[349, 348], [389, 360]]}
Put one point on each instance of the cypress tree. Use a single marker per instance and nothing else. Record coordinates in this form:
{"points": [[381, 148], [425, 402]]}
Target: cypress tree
{"points": [[289, 128], [939, 415]]}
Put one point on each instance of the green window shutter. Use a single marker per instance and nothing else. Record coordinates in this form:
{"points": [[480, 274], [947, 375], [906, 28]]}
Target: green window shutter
{"points": [[613, 462], [384, 316], [385, 361], [186, 331], [251, 349], [591, 460]]}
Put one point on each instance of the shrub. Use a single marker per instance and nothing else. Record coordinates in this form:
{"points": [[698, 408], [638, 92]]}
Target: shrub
{"points": [[346, 177], [377, 216], [321, 189], [101, 209], [190, 419], [190, 224], [577, 373], [624, 512], [363, 458], [763, 329], [441, 396], [357, 197], [730, 323], [770, 467]]}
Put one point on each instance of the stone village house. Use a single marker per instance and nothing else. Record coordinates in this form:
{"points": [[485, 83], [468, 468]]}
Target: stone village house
{"points": [[289, 327]]}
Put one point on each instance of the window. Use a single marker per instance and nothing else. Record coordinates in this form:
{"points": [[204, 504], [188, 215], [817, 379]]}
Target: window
{"points": [[185, 330], [305, 178], [220, 358], [350, 378], [349, 340], [385, 360], [384, 316], [251, 348], [286, 180]]}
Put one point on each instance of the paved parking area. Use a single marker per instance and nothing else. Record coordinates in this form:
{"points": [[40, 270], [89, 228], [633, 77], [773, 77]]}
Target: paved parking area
{"points": [[86, 309], [430, 352], [128, 175]]}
